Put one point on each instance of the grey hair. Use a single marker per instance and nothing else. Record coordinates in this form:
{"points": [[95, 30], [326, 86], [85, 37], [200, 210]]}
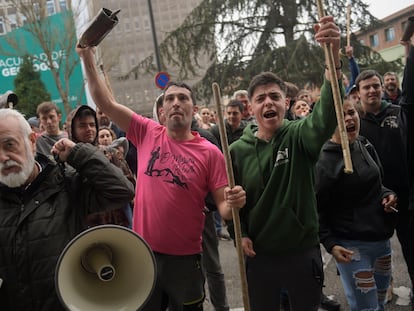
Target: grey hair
{"points": [[12, 113], [240, 93]]}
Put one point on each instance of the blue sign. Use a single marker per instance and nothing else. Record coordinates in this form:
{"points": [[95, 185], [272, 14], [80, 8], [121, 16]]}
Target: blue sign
{"points": [[161, 79]]}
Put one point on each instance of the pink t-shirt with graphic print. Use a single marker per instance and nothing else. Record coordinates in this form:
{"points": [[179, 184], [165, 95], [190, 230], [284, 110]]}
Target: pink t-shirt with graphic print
{"points": [[173, 179]]}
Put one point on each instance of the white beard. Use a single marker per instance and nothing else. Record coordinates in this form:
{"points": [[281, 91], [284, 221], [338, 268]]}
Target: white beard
{"points": [[14, 180]]}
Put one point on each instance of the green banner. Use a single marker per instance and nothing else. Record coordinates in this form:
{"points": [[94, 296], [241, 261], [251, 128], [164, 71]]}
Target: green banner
{"points": [[63, 39]]}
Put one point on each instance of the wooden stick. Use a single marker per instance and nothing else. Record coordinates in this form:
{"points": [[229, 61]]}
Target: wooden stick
{"points": [[337, 100], [235, 211], [348, 23]]}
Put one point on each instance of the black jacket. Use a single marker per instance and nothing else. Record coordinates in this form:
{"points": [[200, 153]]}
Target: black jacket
{"points": [[391, 132], [395, 101], [209, 200], [349, 205], [232, 135], [387, 132], [407, 105], [36, 223]]}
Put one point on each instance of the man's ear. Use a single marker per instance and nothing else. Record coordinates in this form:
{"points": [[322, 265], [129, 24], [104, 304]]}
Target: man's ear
{"points": [[287, 102], [195, 109], [32, 139]]}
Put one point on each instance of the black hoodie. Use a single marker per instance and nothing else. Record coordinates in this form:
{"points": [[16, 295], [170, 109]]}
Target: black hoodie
{"points": [[74, 114], [349, 205]]}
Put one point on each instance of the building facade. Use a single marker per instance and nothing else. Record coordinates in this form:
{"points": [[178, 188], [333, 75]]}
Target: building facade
{"points": [[385, 39], [50, 45], [11, 19], [131, 41], [128, 44]]}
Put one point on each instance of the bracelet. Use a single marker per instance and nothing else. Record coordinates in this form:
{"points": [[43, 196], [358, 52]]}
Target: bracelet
{"points": [[336, 68]]}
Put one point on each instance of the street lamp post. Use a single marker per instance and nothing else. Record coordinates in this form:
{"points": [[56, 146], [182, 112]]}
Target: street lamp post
{"points": [[154, 36]]}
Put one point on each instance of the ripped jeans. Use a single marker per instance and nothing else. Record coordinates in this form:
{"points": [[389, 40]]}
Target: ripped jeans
{"points": [[367, 277]]}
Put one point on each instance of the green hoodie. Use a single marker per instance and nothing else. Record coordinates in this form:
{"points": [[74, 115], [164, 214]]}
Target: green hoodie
{"points": [[280, 215]]}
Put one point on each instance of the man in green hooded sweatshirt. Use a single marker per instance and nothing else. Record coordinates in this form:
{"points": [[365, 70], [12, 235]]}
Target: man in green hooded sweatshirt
{"points": [[274, 162]]}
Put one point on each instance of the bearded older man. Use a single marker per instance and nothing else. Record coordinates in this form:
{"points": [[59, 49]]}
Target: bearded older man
{"points": [[42, 207]]}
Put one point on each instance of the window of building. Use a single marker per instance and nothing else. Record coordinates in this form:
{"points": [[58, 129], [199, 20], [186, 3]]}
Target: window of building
{"points": [[118, 28], [50, 5], [62, 5], [389, 34], [127, 25], [132, 60], [373, 40], [23, 19], [2, 26], [12, 18], [36, 10], [137, 24], [146, 23]]}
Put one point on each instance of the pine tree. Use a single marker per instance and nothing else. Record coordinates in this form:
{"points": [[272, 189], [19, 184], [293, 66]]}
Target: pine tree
{"points": [[245, 37], [29, 88]]}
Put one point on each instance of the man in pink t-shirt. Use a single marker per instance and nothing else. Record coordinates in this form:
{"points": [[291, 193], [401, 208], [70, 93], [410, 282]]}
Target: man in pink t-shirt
{"points": [[176, 169]]}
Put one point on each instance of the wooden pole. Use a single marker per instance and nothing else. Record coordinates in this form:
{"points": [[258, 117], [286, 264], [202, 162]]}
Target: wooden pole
{"points": [[235, 211], [348, 23], [337, 100]]}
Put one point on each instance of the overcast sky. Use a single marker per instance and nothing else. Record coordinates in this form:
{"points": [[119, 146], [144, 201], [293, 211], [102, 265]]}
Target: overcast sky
{"points": [[383, 8]]}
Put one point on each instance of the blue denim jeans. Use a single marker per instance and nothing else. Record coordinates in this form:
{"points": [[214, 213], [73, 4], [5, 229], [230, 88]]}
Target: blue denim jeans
{"points": [[367, 277]]}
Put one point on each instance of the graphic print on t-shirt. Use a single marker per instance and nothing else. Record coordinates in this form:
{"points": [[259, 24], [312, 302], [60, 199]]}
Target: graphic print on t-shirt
{"points": [[179, 166]]}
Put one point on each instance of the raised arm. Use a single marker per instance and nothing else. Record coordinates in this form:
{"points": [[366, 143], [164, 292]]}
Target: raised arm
{"points": [[102, 97], [407, 91], [353, 66]]}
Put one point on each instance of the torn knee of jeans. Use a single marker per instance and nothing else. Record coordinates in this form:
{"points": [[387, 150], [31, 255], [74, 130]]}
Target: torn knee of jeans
{"points": [[364, 280], [383, 265]]}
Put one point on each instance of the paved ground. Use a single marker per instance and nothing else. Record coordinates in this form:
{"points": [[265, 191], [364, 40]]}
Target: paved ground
{"points": [[333, 284]]}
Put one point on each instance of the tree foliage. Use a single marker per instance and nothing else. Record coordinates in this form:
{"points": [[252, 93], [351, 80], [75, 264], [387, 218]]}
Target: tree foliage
{"points": [[29, 88], [245, 37]]}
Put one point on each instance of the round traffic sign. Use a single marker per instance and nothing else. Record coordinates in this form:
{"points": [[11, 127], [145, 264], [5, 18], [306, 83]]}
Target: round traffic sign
{"points": [[161, 79]]}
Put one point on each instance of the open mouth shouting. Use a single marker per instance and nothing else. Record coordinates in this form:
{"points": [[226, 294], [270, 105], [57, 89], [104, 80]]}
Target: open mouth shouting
{"points": [[350, 128], [270, 114]]}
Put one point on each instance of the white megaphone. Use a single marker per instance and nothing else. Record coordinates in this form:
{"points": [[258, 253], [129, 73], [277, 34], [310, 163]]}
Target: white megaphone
{"points": [[107, 267]]}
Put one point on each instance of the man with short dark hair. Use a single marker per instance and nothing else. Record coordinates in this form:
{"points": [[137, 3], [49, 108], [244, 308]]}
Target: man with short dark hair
{"points": [[234, 129], [211, 256], [274, 161], [49, 116], [241, 96], [233, 122], [82, 125], [392, 92], [389, 128], [177, 169]]}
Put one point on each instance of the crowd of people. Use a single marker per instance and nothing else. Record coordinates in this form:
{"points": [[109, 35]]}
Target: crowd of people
{"points": [[291, 191]]}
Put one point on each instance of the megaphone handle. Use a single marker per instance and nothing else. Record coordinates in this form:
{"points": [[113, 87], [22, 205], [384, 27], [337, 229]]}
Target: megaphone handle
{"points": [[10, 104]]}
